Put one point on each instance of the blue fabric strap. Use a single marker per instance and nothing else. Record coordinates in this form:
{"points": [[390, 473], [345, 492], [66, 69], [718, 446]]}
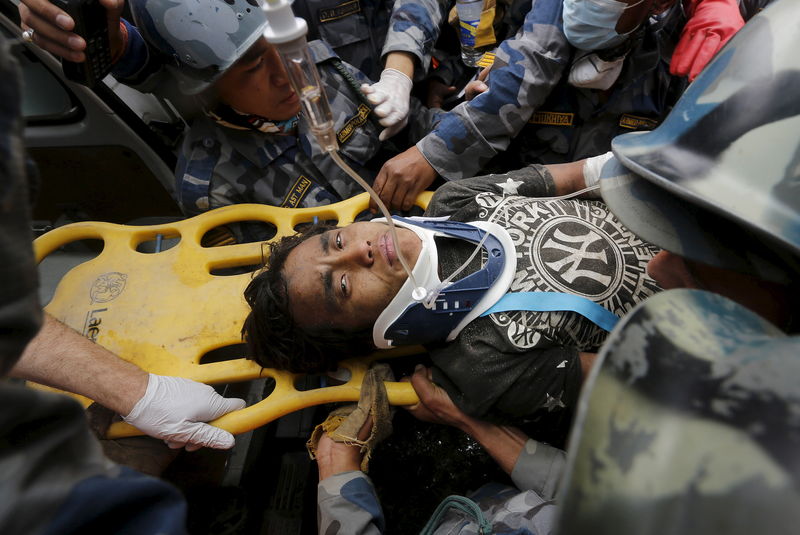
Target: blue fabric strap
{"points": [[554, 301]]}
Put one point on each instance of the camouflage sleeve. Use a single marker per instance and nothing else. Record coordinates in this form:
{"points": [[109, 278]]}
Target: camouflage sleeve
{"points": [[139, 67], [347, 505], [414, 28], [196, 168], [525, 71], [421, 120], [539, 468]]}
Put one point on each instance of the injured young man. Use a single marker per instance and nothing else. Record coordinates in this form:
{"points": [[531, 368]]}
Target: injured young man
{"points": [[511, 336]]}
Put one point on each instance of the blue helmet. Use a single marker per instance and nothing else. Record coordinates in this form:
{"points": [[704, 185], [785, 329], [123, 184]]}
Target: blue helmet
{"points": [[719, 181], [690, 421], [202, 37]]}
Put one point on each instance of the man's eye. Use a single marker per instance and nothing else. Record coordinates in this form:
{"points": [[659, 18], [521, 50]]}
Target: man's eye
{"points": [[256, 65], [339, 240], [343, 285]]}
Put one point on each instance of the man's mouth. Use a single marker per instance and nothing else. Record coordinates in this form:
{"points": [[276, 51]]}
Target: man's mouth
{"points": [[291, 99], [386, 246]]}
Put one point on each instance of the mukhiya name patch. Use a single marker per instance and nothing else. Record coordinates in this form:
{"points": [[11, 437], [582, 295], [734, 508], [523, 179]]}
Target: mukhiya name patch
{"points": [[552, 118]]}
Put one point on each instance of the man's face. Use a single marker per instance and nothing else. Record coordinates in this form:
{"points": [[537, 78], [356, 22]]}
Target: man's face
{"points": [[258, 84], [767, 299], [345, 277]]}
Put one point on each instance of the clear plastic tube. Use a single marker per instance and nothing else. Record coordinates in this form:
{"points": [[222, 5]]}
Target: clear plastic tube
{"points": [[287, 33], [304, 77]]}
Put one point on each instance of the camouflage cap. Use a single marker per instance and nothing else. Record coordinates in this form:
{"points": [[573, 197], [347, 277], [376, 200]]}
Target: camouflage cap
{"points": [[203, 37], [719, 180], [689, 423]]}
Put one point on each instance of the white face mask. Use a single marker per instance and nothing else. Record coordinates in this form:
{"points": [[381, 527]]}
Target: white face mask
{"points": [[591, 24], [591, 72]]}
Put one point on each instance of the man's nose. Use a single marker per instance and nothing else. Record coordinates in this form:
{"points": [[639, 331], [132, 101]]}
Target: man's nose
{"points": [[360, 254]]}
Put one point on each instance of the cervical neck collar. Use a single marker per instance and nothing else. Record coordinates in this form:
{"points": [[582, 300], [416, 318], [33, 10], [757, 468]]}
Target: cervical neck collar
{"points": [[406, 321]]}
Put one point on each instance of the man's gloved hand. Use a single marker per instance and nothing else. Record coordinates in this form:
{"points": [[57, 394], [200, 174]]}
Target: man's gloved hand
{"points": [[390, 97], [174, 409], [711, 24]]}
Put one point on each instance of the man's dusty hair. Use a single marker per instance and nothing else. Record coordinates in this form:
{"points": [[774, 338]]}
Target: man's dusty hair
{"points": [[274, 339]]}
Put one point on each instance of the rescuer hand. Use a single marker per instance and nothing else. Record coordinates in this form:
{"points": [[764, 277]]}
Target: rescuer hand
{"points": [[53, 28], [711, 24], [390, 97], [174, 409]]}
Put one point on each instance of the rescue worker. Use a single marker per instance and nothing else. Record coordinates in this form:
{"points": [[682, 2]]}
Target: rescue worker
{"points": [[55, 477], [355, 30], [531, 113], [248, 148], [367, 35], [347, 502], [252, 145], [689, 422]]}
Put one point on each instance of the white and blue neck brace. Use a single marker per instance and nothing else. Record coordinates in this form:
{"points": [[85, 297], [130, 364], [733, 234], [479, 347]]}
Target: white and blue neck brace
{"points": [[407, 321]]}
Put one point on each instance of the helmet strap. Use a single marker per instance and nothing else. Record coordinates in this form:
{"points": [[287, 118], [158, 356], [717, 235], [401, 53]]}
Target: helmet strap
{"points": [[226, 116]]}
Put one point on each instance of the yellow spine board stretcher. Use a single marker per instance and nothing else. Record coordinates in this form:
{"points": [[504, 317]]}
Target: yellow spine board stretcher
{"points": [[163, 311]]}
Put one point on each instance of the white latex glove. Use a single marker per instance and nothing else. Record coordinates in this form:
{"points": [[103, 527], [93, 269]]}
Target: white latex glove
{"points": [[592, 168], [390, 97], [174, 409]]}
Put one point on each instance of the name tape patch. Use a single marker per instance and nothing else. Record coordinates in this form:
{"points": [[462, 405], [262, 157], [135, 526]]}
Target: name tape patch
{"points": [[354, 122], [552, 118], [339, 12], [634, 122], [297, 193]]}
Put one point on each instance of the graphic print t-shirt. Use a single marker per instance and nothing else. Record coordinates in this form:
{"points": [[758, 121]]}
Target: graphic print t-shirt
{"points": [[523, 366]]}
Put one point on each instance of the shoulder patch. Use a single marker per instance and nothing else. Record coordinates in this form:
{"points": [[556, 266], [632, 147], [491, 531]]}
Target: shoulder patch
{"points": [[354, 122], [345, 9], [634, 122], [297, 193]]}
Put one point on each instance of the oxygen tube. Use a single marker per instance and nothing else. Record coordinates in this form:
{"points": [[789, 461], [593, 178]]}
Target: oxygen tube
{"points": [[288, 34]]}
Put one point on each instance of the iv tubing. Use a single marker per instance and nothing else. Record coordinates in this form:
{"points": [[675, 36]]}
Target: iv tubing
{"points": [[355, 176]]}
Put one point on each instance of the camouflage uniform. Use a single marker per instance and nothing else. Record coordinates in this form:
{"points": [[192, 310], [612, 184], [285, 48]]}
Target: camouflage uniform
{"points": [[355, 29], [347, 503], [528, 83], [414, 28], [55, 476], [219, 166], [361, 32]]}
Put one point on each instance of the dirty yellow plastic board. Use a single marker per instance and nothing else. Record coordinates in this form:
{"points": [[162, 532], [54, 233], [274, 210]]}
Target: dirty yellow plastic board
{"points": [[164, 311]]}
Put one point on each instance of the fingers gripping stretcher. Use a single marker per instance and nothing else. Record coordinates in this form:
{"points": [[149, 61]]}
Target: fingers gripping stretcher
{"points": [[165, 311]]}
